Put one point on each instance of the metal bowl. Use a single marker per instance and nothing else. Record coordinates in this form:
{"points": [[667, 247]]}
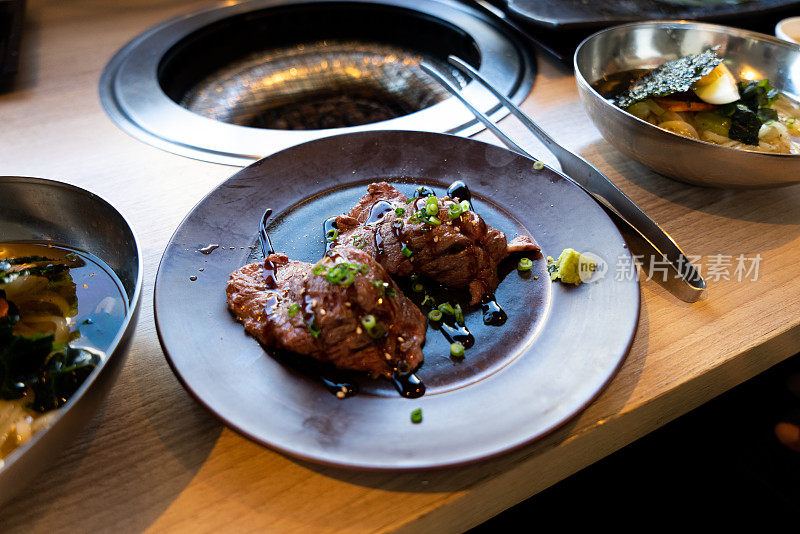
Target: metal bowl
{"points": [[648, 44], [44, 210]]}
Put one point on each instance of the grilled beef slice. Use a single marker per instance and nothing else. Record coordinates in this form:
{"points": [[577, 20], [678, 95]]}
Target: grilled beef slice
{"points": [[332, 311], [463, 252]]}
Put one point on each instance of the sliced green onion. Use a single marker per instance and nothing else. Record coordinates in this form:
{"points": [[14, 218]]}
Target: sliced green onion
{"points": [[335, 274], [432, 206], [524, 264], [409, 200], [376, 333], [416, 416], [435, 316], [400, 211], [332, 234], [433, 221], [347, 280], [293, 309], [377, 283], [459, 314], [455, 211], [538, 165], [390, 292], [406, 251], [319, 269], [369, 322], [457, 351], [429, 301], [416, 287], [464, 206], [364, 268], [446, 308], [359, 241], [313, 331], [353, 267]]}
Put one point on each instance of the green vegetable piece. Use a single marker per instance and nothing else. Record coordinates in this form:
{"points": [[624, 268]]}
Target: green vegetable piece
{"points": [[524, 264], [407, 252], [766, 115], [459, 314], [348, 279], [313, 330], [744, 125], [435, 316], [447, 308], [709, 120], [359, 241], [457, 351], [757, 94], [332, 234], [455, 211], [432, 206], [400, 211], [293, 310], [369, 322], [416, 416]]}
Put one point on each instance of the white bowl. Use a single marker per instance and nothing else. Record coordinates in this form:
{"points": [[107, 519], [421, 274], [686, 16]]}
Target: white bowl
{"points": [[789, 30]]}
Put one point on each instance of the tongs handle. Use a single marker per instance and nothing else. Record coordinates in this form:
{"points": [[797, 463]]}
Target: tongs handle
{"points": [[591, 180]]}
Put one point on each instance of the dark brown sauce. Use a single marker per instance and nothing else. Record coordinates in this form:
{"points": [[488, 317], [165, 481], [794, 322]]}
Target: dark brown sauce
{"points": [[611, 86], [458, 190], [408, 385], [493, 314], [327, 227], [457, 333], [379, 209], [423, 191]]}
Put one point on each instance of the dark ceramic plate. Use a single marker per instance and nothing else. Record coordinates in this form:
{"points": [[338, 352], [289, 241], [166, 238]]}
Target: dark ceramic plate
{"points": [[559, 348], [599, 13]]}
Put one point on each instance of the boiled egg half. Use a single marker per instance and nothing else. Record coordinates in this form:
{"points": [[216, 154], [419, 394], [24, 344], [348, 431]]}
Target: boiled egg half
{"points": [[717, 87]]}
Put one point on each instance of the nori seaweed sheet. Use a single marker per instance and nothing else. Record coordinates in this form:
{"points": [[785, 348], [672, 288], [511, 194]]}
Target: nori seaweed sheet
{"points": [[674, 76]]}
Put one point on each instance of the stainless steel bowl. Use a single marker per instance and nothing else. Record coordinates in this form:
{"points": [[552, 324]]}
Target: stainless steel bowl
{"points": [[44, 210], [648, 44]]}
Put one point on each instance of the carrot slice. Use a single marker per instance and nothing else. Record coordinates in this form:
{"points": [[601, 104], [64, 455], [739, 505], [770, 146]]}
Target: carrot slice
{"points": [[684, 105]]}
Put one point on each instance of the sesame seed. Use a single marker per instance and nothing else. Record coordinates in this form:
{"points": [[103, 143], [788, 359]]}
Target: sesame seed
{"points": [[358, 330], [340, 394], [388, 356], [322, 312], [400, 339], [347, 304]]}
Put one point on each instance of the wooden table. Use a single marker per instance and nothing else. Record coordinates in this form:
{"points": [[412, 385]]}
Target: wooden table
{"points": [[152, 459]]}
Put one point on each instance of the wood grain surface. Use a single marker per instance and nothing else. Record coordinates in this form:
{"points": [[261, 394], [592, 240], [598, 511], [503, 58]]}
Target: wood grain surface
{"points": [[152, 459]]}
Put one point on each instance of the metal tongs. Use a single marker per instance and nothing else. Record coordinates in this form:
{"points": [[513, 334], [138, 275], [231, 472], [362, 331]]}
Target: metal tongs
{"points": [[686, 282]]}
